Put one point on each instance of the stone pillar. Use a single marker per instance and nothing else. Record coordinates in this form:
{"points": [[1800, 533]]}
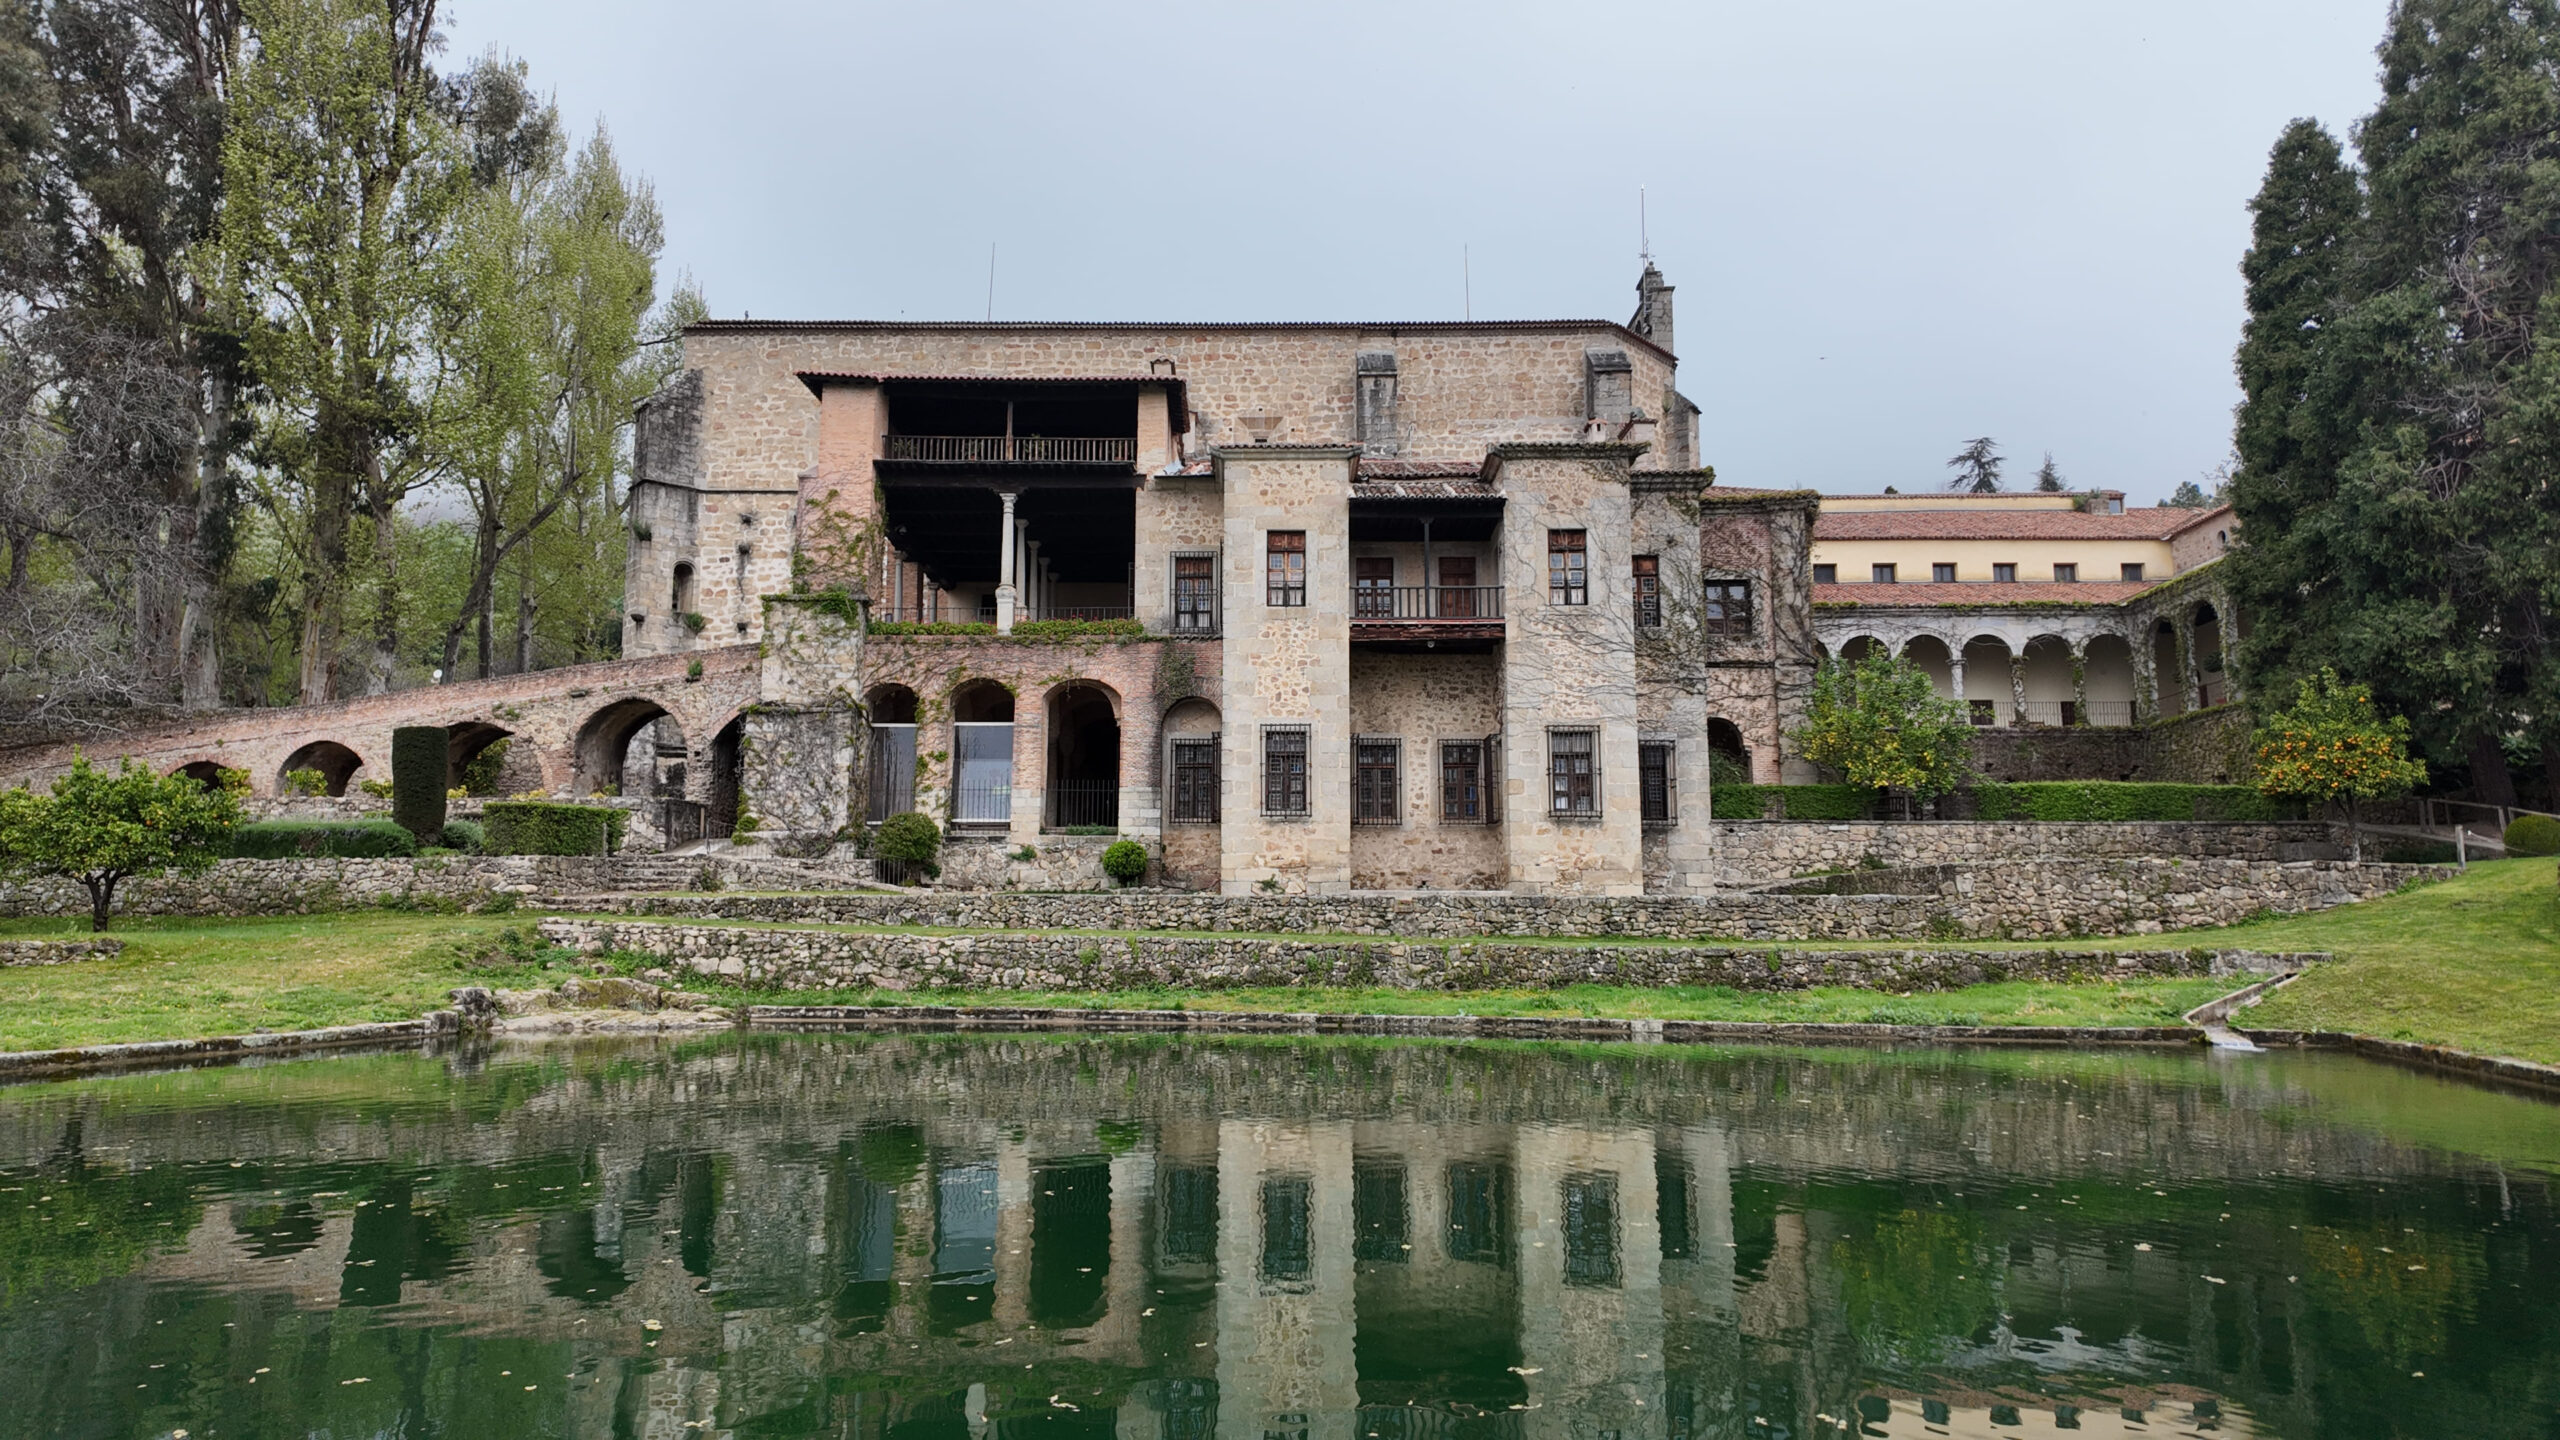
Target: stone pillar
{"points": [[1035, 577], [1955, 669], [2018, 686], [2192, 697], [2146, 680], [2228, 621], [2080, 681], [1005, 593]]}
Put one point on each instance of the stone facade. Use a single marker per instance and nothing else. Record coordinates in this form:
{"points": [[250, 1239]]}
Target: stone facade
{"points": [[840, 959], [57, 952]]}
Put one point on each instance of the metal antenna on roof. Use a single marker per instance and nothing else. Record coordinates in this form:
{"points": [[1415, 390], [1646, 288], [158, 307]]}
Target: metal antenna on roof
{"points": [[1644, 233], [991, 280], [1467, 280]]}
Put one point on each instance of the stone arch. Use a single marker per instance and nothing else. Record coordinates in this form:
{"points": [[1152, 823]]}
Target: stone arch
{"points": [[2107, 679], [1856, 648], [720, 787], [1935, 658], [1724, 738], [336, 763], [1987, 689], [2169, 671], [890, 711], [1082, 783], [2052, 698], [982, 702], [207, 773], [467, 740], [890, 704], [605, 743]]}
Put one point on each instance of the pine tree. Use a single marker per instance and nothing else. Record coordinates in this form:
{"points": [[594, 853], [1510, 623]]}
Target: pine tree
{"points": [[2188, 496], [1977, 466], [2049, 479]]}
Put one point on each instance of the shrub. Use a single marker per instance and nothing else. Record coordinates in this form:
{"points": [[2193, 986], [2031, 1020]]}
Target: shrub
{"points": [[378, 789], [2533, 835], [468, 836], [543, 827], [2420, 852], [306, 782], [2067, 800], [908, 838], [101, 829], [338, 839], [1125, 861], [418, 780], [1795, 802]]}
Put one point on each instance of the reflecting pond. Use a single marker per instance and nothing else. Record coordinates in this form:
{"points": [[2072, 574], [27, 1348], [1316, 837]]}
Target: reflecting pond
{"points": [[944, 1236]]}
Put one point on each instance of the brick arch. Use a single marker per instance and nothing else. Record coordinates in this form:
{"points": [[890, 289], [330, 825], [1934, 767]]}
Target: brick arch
{"points": [[336, 762], [977, 696], [207, 773], [607, 734]]}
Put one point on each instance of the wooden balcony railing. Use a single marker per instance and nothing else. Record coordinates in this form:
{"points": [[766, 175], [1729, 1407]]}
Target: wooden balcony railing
{"points": [[1011, 449], [1458, 603]]}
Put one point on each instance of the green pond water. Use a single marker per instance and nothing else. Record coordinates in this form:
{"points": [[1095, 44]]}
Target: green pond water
{"points": [[963, 1237]]}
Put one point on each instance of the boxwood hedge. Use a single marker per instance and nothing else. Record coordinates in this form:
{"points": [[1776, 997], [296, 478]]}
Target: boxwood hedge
{"points": [[2051, 800], [542, 827], [341, 839]]}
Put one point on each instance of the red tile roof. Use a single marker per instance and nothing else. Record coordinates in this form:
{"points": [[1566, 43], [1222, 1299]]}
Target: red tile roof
{"points": [[1978, 594], [2157, 523]]}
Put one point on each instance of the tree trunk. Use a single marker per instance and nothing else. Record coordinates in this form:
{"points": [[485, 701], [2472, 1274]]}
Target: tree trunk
{"points": [[386, 585], [2355, 832], [2551, 775], [199, 635], [325, 559], [524, 615], [102, 897], [2491, 784]]}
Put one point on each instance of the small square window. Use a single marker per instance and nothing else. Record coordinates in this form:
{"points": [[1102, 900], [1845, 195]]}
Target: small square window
{"points": [[1725, 606], [1573, 770], [1373, 781], [1286, 568], [1942, 574], [1648, 578], [2133, 570], [1284, 771], [1882, 574], [1826, 574], [2004, 574], [1658, 778], [2066, 574], [1568, 568]]}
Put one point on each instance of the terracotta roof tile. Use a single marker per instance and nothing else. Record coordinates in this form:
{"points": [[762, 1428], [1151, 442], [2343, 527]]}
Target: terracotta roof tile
{"points": [[2157, 523]]}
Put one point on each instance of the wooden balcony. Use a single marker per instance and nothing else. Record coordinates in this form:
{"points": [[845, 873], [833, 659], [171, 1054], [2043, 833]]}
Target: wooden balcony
{"points": [[1426, 612], [1030, 450]]}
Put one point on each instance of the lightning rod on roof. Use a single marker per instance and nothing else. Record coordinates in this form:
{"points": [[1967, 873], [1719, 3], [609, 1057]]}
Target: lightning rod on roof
{"points": [[1467, 281], [1644, 233], [991, 280]]}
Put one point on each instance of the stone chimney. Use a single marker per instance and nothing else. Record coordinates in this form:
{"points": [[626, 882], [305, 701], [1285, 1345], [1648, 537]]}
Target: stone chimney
{"points": [[1653, 308]]}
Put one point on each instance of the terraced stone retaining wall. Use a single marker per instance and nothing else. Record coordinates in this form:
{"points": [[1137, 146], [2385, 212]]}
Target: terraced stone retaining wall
{"points": [[2021, 902], [57, 952], [852, 959], [1761, 852]]}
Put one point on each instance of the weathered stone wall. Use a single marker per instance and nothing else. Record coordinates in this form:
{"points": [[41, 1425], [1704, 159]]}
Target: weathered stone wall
{"points": [[1568, 666], [299, 887], [2051, 752], [2202, 747], [57, 952], [800, 777], [1176, 515], [1423, 700], [1762, 852], [2058, 898], [1287, 665], [1055, 862], [737, 541], [839, 959]]}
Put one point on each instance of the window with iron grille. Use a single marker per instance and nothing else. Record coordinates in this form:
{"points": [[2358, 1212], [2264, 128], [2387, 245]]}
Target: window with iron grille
{"points": [[1284, 770], [1568, 568], [1648, 576], [1725, 605], [1573, 772], [1195, 593], [1658, 777], [1286, 567], [1461, 780], [1195, 780], [1373, 780]]}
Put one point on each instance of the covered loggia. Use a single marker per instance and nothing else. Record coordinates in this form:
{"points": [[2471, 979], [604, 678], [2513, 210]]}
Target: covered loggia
{"points": [[1084, 756], [335, 763]]}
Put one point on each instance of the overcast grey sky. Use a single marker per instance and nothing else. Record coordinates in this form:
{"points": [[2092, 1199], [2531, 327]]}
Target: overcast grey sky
{"points": [[1894, 224]]}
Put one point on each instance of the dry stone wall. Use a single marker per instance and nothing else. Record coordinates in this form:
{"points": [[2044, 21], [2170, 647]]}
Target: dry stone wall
{"points": [[1763, 852], [845, 959], [57, 952]]}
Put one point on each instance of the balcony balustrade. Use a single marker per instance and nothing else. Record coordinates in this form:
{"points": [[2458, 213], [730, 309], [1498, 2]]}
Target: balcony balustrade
{"points": [[1412, 604], [1010, 449]]}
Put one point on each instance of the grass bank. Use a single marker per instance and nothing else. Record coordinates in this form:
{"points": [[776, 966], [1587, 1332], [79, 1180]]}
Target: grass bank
{"points": [[2473, 963]]}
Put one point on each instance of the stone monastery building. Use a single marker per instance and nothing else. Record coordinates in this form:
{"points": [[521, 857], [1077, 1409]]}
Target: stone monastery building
{"points": [[1323, 606]]}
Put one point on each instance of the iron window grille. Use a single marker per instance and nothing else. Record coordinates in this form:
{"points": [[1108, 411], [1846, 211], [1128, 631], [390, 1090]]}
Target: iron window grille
{"points": [[1195, 780], [1725, 606], [1284, 770], [1195, 594], [1658, 780], [1648, 581], [1374, 779], [1285, 580], [1568, 568], [1573, 773]]}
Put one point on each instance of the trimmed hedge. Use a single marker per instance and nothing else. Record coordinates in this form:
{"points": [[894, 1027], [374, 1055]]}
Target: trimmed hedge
{"points": [[2533, 835], [2065, 800], [418, 781], [543, 827], [2046, 800], [340, 839], [1125, 861], [467, 836]]}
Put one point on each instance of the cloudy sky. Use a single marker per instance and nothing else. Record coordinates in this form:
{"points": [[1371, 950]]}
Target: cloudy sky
{"points": [[1894, 224]]}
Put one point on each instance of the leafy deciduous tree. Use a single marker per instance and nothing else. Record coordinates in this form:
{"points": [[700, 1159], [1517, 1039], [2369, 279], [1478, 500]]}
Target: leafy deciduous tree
{"points": [[2332, 745], [1879, 722], [101, 829]]}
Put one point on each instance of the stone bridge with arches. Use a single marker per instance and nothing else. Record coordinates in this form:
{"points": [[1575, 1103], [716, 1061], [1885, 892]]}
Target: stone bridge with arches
{"points": [[571, 730]]}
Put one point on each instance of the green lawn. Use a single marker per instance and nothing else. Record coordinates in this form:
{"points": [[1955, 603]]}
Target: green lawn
{"points": [[2473, 963]]}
